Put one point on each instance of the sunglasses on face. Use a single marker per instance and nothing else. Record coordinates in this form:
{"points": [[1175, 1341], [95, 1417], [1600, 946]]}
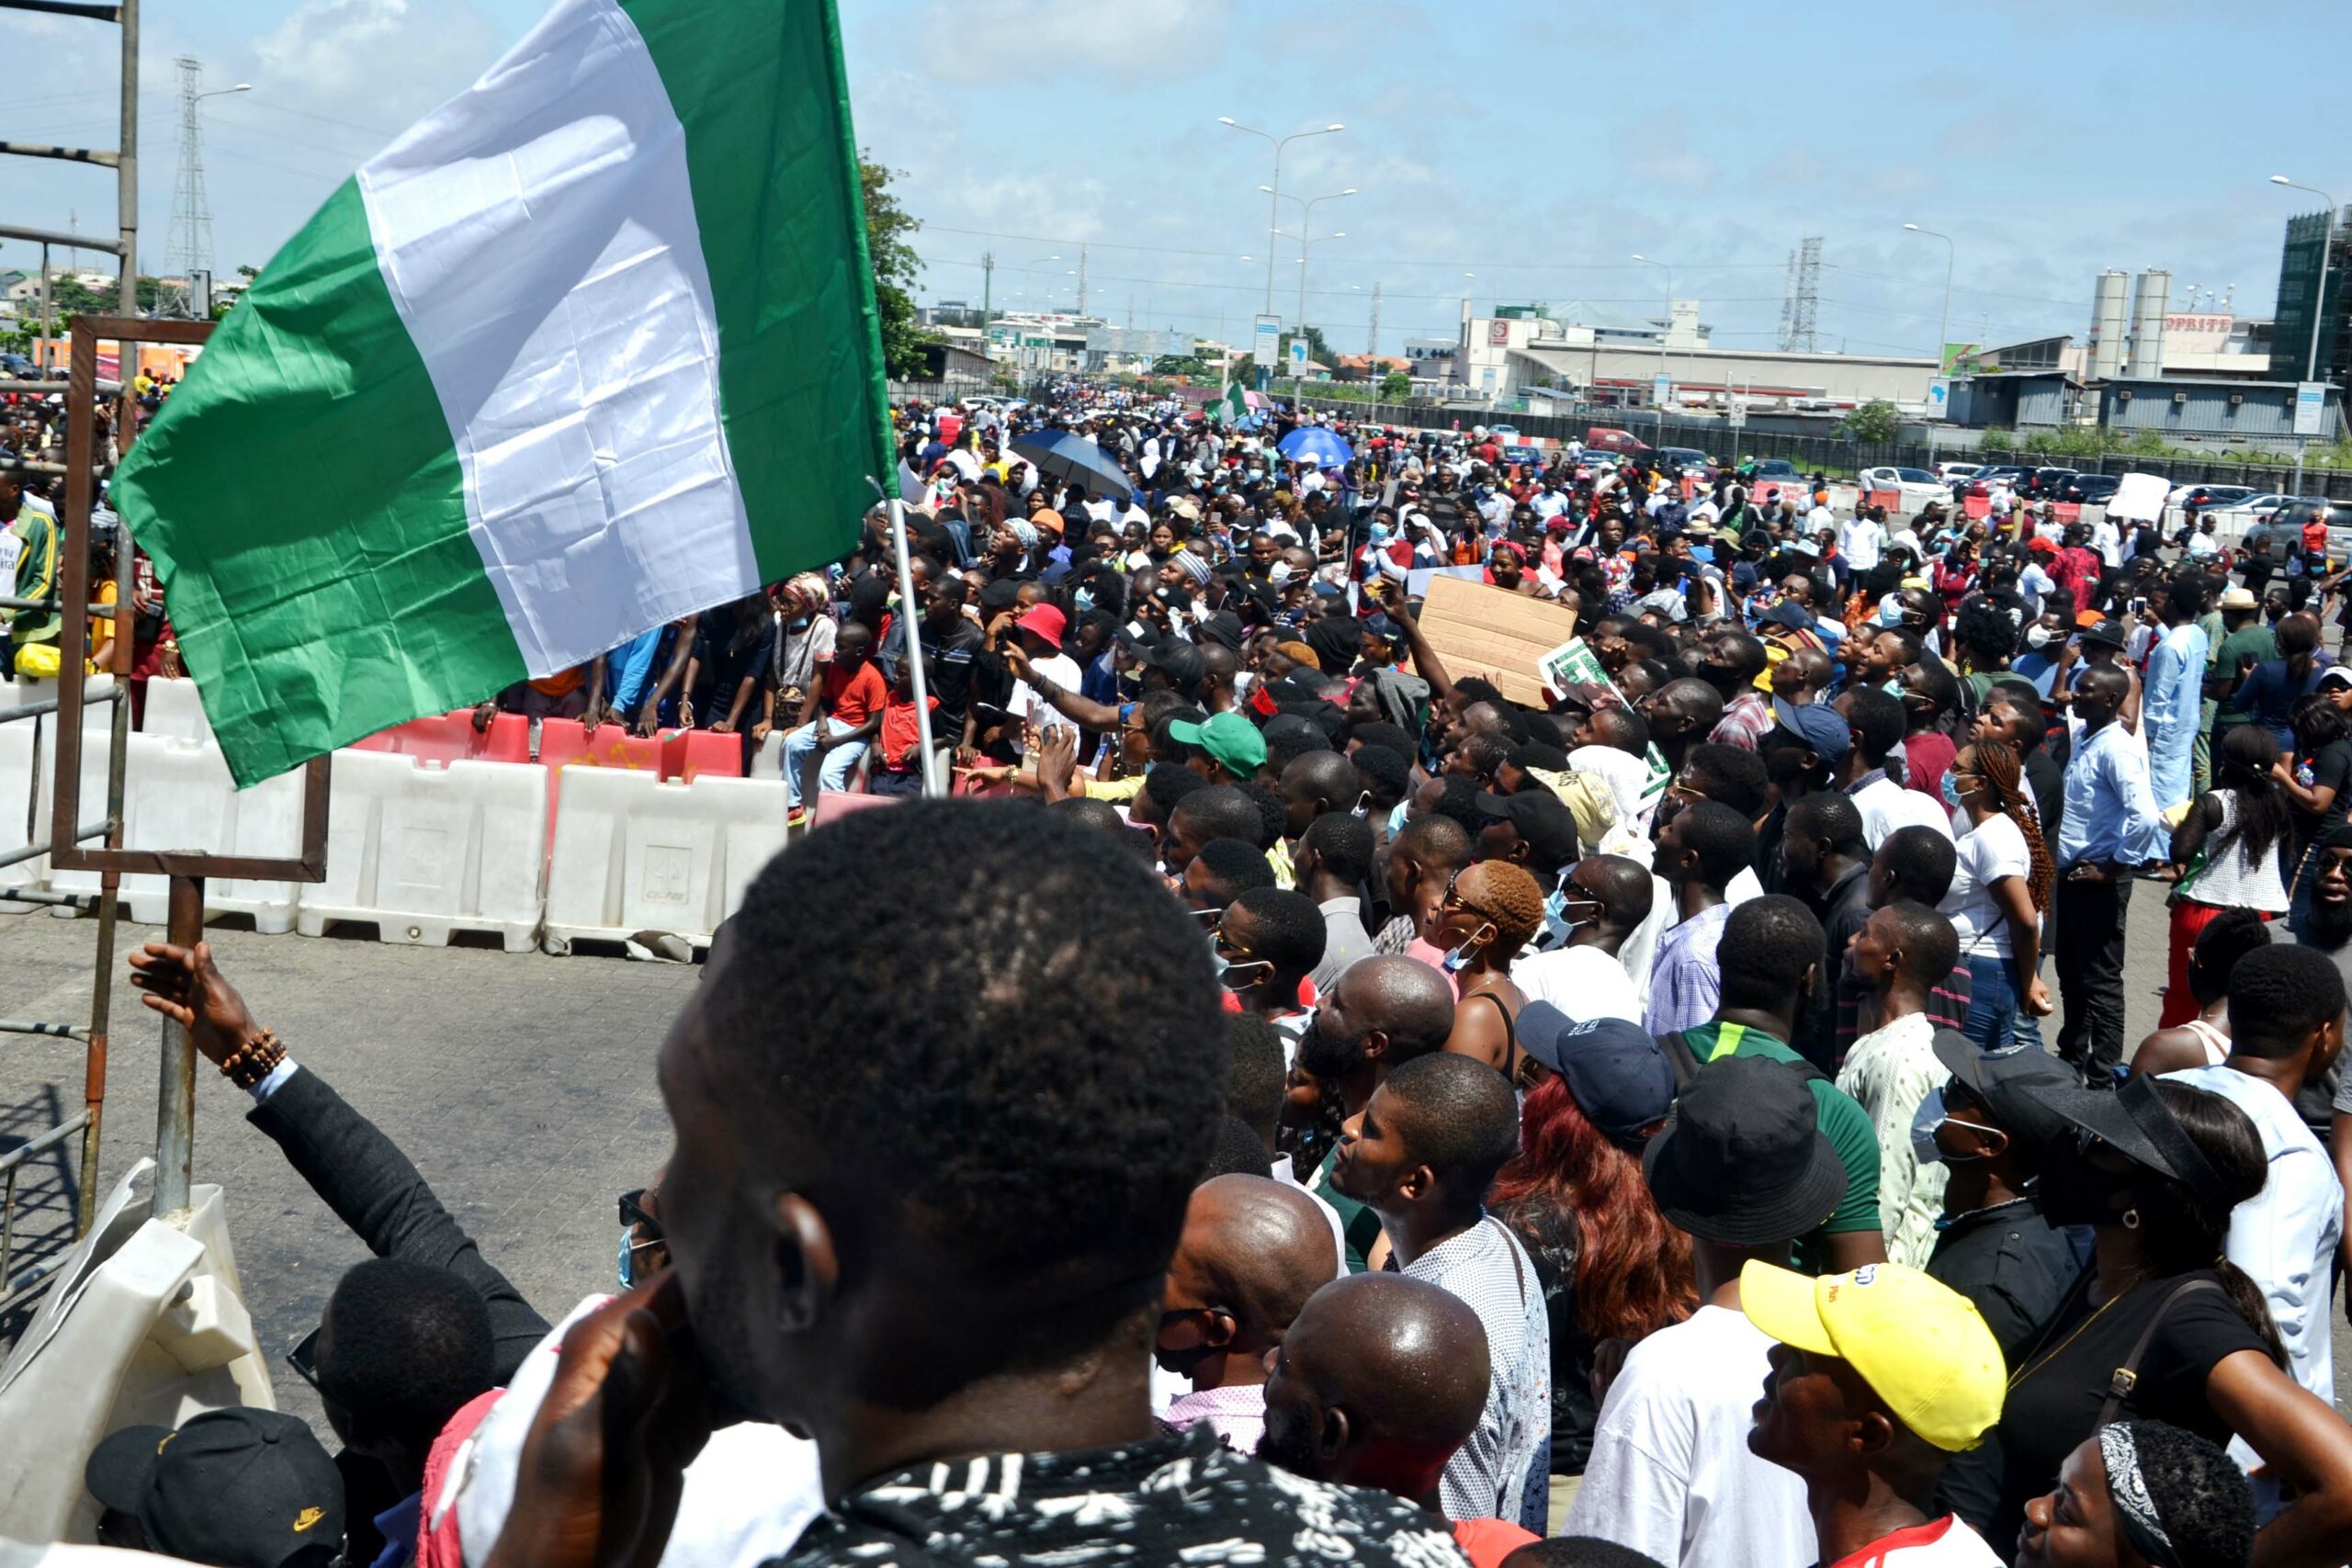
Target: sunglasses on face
{"points": [[1452, 899], [634, 1217], [304, 1358]]}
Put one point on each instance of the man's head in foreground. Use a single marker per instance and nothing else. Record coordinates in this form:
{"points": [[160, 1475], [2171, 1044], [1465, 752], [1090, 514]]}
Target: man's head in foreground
{"points": [[939, 1106]]}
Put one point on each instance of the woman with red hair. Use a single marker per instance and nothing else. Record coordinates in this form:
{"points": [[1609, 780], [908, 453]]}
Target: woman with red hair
{"points": [[1610, 1266]]}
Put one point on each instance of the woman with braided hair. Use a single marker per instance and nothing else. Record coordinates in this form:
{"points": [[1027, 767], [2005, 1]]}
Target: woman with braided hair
{"points": [[2000, 885], [2242, 829], [2142, 1491]]}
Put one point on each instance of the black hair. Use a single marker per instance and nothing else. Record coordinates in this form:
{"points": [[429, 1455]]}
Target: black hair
{"points": [[2203, 1500], [1168, 782], [2317, 722], [2022, 696], [1578, 1551], [2227, 937], [1544, 729], [2247, 752], [1621, 728], [1731, 775], [1831, 815], [1927, 938], [1103, 818], [1472, 690], [1459, 1118], [1724, 840], [1906, 641], [1165, 747], [1291, 932], [1985, 629], [1273, 811], [1026, 1136], [1237, 1150], [1938, 684], [1768, 944], [1458, 800], [1486, 752], [1536, 754], [1380, 732], [1745, 653], [2278, 995], [1254, 1073], [1235, 866], [2185, 1227], [1343, 843], [1876, 720], [2185, 599], [407, 1345], [1385, 772], [1293, 742], [1922, 861], [1438, 839], [1223, 811]]}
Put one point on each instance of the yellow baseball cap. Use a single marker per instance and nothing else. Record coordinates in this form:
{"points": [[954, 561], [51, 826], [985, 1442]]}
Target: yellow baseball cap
{"points": [[1921, 1346]]}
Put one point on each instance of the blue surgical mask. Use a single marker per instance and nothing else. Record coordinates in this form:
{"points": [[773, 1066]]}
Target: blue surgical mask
{"points": [[1458, 959], [1952, 789], [627, 1262], [1379, 533], [1924, 1123]]}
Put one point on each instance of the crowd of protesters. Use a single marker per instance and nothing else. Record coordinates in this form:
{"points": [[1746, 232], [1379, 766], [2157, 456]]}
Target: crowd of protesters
{"points": [[1344, 1107]]}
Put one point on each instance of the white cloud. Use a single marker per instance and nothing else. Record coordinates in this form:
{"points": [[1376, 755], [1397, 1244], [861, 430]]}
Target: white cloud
{"points": [[1040, 38], [384, 62]]}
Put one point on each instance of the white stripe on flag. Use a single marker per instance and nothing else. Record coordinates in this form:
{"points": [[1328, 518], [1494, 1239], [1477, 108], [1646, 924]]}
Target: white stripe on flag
{"points": [[537, 234]]}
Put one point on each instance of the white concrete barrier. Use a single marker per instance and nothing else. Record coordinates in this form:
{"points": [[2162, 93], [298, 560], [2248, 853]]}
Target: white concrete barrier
{"points": [[178, 794], [636, 856], [18, 798], [174, 708], [421, 849]]}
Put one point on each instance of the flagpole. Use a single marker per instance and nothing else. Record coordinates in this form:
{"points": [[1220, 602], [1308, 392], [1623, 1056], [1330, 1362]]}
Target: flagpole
{"points": [[909, 618]]}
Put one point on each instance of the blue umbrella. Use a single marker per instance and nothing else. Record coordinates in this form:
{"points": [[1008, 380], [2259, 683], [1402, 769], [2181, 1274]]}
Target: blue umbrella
{"points": [[1068, 455], [1317, 446]]}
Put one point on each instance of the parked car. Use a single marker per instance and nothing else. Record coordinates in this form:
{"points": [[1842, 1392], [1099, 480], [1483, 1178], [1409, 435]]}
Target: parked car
{"points": [[1951, 471], [2091, 489], [2043, 484], [1982, 481], [2199, 498], [1525, 456], [19, 366], [1683, 457], [1503, 433], [1916, 487], [1606, 438]]}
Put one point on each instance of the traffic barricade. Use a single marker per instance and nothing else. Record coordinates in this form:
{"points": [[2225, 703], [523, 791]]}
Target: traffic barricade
{"points": [[1978, 507], [420, 850], [452, 738], [690, 754], [2067, 510], [174, 708], [637, 858], [176, 795]]}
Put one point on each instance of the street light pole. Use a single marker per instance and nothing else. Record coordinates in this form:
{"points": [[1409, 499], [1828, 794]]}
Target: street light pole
{"points": [[1306, 205], [1662, 332], [2319, 305], [1944, 332], [1273, 210]]}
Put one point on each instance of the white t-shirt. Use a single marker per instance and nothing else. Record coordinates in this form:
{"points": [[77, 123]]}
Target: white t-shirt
{"points": [[1025, 703], [1583, 982], [1940, 1544], [1994, 850], [1887, 805], [1671, 1475]]}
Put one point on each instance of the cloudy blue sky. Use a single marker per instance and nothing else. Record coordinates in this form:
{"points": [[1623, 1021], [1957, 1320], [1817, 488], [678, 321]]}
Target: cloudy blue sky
{"points": [[1511, 152]]}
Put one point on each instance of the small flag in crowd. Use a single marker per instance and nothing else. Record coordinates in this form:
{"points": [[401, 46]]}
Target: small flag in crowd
{"points": [[591, 347], [1231, 408]]}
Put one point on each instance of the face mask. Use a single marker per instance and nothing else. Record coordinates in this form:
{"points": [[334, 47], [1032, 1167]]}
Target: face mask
{"points": [[1951, 790], [1892, 689], [1085, 600], [1459, 958], [2038, 638], [1379, 533], [627, 1261], [801, 624], [1182, 1363], [1923, 1129], [2076, 1192]]}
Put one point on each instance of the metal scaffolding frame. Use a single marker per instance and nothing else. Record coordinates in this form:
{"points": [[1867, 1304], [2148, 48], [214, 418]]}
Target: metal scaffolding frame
{"points": [[17, 1284]]}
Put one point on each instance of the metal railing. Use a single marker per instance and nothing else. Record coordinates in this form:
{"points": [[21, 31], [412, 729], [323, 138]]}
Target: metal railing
{"points": [[15, 1285]]}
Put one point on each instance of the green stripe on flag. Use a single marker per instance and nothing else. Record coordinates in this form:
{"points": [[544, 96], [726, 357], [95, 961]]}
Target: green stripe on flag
{"points": [[759, 87], [309, 526]]}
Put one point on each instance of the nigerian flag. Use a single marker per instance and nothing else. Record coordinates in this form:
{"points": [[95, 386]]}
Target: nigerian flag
{"points": [[591, 347], [1231, 407]]}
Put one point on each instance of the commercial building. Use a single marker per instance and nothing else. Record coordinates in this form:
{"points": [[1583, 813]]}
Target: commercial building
{"points": [[2314, 269]]}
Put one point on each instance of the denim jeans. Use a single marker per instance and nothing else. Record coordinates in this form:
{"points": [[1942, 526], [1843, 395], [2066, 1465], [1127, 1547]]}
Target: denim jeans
{"points": [[1997, 1016], [834, 773]]}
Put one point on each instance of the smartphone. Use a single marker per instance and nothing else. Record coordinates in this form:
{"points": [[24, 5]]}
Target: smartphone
{"points": [[2139, 606]]}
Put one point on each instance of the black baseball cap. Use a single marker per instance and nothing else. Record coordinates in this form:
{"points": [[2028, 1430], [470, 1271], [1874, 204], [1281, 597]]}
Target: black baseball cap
{"points": [[239, 1488], [1224, 627], [1181, 663], [2109, 634], [1540, 817], [1622, 1081], [2135, 1122], [1744, 1161], [2002, 1081]]}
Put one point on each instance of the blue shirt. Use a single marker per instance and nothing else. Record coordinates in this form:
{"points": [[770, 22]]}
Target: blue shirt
{"points": [[398, 1525], [1686, 983], [2110, 812], [2172, 711]]}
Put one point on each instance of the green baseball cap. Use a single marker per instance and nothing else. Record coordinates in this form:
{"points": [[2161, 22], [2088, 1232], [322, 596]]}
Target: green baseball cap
{"points": [[1228, 737]]}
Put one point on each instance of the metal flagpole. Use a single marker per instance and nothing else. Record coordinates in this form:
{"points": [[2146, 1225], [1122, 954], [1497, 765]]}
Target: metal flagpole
{"points": [[909, 618]]}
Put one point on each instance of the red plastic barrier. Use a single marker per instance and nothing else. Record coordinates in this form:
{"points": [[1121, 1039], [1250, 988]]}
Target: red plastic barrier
{"points": [[451, 738], [1976, 506], [562, 742], [687, 754], [1889, 498], [832, 805], [2067, 510]]}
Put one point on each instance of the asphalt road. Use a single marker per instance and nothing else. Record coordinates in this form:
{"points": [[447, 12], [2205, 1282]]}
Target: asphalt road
{"points": [[520, 1085]]}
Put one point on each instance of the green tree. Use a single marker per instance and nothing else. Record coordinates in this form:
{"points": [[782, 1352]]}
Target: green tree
{"points": [[1874, 420], [1180, 365], [889, 242], [1396, 387]]}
